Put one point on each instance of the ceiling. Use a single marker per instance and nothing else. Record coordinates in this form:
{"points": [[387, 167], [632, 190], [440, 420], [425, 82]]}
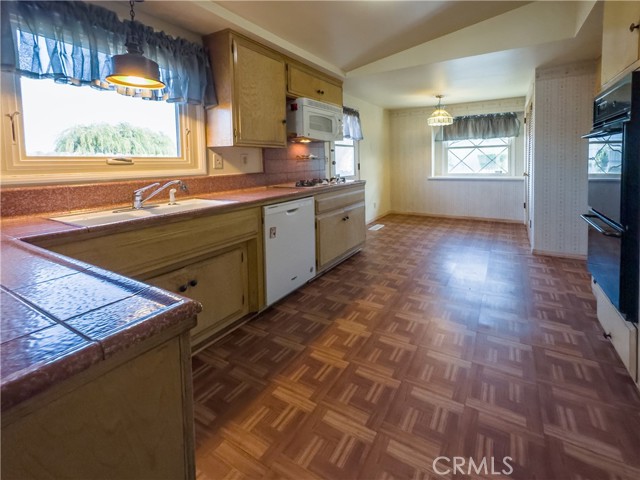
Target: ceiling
{"points": [[399, 54]]}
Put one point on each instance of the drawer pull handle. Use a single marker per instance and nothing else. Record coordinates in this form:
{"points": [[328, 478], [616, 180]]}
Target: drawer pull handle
{"points": [[321, 92], [183, 288], [606, 335], [193, 282], [634, 26], [344, 219]]}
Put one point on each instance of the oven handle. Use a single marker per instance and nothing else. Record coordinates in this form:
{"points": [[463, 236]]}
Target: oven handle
{"points": [[609, 233], [608, 128]]}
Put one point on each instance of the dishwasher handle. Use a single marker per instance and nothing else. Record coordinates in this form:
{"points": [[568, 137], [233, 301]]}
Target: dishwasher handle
{"points": [[292, 211]]}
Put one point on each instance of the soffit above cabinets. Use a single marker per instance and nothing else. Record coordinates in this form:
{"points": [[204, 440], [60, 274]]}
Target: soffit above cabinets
{"points": [[399, 54]]}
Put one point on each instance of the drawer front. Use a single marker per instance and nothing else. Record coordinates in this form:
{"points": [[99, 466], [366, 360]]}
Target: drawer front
{"points": [[301, 83], [333, 200], [339, 233]]}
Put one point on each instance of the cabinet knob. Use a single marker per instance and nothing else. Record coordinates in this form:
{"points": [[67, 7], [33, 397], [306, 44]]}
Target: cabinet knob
{"points": [[284, 121], [344, 219], [193, 282], [183, 288], [634, 26], [321, 92], [606, 335]]}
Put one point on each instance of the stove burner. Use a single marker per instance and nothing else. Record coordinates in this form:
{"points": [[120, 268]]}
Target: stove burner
{"points": [[316, 182]]}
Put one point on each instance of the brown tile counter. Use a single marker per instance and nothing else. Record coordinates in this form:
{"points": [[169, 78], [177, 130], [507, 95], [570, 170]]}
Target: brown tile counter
{"points": [[61, 316]]}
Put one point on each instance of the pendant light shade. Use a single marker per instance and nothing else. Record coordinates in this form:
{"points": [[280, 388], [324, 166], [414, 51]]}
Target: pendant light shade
{"points": [[440, 117], [133, 69]]}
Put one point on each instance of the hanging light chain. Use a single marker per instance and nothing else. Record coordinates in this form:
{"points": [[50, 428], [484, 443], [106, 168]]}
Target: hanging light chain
{"points": [[131, 12]]}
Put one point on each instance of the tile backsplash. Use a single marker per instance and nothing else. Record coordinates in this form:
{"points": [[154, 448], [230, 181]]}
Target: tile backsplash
{"points": [[281, 165]]}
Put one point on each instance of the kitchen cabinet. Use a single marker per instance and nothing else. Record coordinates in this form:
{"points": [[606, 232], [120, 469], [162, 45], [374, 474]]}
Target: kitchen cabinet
{"points": [[251, 89], [620, 43], [340, 225], [222, 253], [129, 417], [303, 81], [219, 283]]}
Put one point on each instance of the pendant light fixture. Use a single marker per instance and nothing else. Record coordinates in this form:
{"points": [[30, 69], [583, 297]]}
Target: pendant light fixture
{"points": [[440, 117], [132, 69]]}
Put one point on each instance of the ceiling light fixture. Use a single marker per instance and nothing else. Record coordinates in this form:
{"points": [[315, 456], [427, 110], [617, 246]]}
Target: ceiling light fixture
{"points": [[132, 69], [440, 117]]}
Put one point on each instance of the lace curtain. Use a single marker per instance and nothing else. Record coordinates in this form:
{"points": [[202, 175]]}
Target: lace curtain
{"points": [[496, 125], [73, 42], [351, 124]]}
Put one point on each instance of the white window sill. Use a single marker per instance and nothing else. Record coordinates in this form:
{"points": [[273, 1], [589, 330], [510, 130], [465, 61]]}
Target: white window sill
{"points": [[476, 179]]}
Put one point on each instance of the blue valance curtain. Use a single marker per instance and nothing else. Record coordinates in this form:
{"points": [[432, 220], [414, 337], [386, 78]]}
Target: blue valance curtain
{"points": [[73, 42], [351, 124], [496, 125]]}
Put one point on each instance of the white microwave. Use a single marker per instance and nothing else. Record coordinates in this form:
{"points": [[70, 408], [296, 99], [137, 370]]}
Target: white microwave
{"points": [[309, 119]]}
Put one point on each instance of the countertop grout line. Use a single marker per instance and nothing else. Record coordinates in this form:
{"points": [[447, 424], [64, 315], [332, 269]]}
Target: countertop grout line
{"points": [[48, 315]]}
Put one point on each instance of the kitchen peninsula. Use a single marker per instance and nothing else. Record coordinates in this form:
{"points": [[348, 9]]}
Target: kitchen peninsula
{"points": [[100, 342]]}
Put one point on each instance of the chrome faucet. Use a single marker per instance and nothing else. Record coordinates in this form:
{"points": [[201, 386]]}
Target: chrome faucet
{"points": [[138, 201]]}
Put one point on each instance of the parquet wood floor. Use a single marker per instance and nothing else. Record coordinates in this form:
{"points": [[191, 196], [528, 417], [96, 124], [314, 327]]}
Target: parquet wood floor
{"points": [[441, 338]]}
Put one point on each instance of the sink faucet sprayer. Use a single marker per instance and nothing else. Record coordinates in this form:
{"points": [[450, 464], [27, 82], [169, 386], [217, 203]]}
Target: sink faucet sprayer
{"points": [[138, 201]]}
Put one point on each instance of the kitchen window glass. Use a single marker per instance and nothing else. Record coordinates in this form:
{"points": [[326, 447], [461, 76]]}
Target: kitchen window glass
{"points": [[345, 158], [92, 123], [54, 133], [478, 157]]}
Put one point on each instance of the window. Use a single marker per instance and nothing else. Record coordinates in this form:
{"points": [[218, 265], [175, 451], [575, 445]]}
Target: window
{"points": [[483, 146], [478, 157], [92, 123], [67, 133], [344, 159]]}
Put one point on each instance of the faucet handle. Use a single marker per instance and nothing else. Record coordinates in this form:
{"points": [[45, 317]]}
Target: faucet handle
{"points": [[183, 187], [140, 190]]}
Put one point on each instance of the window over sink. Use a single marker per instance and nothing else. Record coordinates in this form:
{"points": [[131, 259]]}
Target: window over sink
{"points": [[64, 133]]}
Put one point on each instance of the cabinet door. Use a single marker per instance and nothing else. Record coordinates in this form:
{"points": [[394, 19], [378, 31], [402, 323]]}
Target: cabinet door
{"points": [[219, 283], [259, 96], [303, 83], [620, 46], [339, 232]]}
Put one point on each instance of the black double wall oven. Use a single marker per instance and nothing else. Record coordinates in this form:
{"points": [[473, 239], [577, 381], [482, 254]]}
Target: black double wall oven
{"points": [[614, 194]]}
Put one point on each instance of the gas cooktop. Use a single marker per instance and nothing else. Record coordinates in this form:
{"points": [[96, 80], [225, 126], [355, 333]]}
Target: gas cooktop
{"points": [[312, 182]]}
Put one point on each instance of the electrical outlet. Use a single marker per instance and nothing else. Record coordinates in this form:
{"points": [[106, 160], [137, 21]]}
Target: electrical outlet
{"points": [[218, 163], [244, 158]]}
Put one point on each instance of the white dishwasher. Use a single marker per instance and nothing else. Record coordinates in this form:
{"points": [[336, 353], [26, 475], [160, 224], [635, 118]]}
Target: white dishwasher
{"points": [[289, 247]]}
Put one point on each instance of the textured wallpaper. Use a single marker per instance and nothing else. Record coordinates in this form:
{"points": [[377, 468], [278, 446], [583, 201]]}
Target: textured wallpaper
{"points": [[411, 155], [563, 113]]}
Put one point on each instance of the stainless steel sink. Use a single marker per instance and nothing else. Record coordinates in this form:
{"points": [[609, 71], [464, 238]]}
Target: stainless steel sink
{"points": [[106, 217]]}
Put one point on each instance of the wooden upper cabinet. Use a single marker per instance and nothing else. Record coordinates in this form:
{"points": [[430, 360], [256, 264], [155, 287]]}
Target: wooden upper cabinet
{"points": [[303, 81], [251, 88], [620, 44]]}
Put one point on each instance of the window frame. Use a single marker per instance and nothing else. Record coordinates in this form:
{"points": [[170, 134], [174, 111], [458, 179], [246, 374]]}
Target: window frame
{"points": [[17, 168], [331, 155], [511, 162]]}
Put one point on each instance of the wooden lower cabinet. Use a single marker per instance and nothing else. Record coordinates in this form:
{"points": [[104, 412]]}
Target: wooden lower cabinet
{"points": [[220, 283], [130, 417], [222, 253], [340, 225]]}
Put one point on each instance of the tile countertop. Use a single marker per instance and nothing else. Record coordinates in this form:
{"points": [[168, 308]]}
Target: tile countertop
{"points": [[60, 316]]}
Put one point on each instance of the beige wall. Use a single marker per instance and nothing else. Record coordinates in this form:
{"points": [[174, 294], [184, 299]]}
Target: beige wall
{"points": [[412, 191], [562, 105], [374, 156]]}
